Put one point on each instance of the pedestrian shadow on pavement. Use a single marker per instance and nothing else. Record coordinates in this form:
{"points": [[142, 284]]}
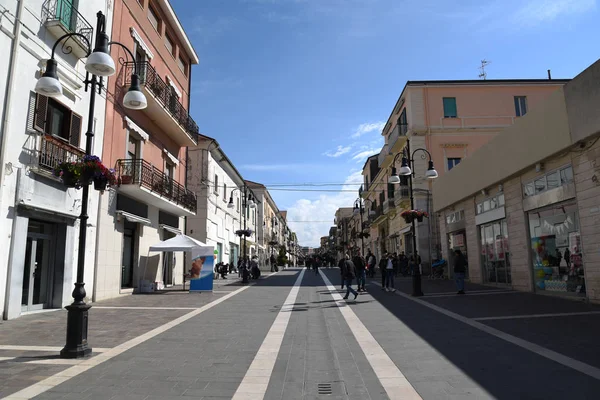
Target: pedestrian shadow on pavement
{"points": [[436, 350]]}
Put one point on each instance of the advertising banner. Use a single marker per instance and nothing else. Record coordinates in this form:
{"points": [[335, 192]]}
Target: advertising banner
{"points": [[201, 273]]}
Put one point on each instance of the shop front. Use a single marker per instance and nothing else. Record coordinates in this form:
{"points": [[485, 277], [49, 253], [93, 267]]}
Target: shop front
{"points": [[457, 238], [556, 253], [494, 252]]}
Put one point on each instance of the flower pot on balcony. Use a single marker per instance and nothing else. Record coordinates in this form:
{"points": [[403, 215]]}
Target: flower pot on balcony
{"points": [[100, 183], [69, 179], [126, 179]]}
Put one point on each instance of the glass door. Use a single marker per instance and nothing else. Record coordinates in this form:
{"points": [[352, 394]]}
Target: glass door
{"points": [[128, 255], [37, 271], [495, 252], [168, 261]]}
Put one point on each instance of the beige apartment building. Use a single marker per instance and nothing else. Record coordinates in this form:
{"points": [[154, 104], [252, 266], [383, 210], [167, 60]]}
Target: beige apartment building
{"points": [[343, 218], [451, 120], [526, 204]]}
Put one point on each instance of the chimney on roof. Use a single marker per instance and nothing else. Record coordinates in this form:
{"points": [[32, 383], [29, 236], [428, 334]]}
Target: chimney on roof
{"points": [[549, 75]]}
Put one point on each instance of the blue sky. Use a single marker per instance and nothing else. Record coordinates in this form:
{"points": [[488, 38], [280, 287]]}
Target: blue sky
{"points": [[297, 91]]}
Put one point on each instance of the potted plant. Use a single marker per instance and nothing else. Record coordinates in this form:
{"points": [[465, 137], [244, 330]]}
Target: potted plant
{"points": [[411, 215], [94, 170], [69, 173], [420, 214]]}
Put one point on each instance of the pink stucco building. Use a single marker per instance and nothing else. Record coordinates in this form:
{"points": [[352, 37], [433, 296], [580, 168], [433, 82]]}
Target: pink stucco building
{"points": [[452, 120]]}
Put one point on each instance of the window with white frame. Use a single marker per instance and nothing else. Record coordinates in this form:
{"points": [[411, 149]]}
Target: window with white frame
{"points": [[550, 180], [455, 216], [490, 204]]}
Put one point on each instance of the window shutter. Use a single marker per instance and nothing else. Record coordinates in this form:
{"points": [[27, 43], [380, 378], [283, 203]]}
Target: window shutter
{"points": [[75, 129], [41, 112]]}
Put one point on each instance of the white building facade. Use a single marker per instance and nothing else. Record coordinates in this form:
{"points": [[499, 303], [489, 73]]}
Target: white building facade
{"points": [[39, 216], [216, 182]]}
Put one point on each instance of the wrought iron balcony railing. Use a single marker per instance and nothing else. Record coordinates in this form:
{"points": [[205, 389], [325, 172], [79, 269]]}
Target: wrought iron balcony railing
{"points": [[63, 12], [142, 173], [54, 151], [164, 93]]}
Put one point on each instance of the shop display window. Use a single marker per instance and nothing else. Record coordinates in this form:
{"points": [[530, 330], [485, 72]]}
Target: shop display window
{"points": [[556, 249]]}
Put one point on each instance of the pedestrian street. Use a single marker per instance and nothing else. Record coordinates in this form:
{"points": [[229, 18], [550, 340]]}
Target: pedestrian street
{"points": [[290, 335]]}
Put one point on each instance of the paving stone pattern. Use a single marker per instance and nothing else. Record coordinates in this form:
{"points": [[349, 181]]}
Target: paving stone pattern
{"points": [[204, 357], [319, 349], [207, 356]]}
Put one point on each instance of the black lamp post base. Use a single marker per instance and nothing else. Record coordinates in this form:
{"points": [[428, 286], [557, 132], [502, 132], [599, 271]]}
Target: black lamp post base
{"points": [[77, 329], [416, 281]]}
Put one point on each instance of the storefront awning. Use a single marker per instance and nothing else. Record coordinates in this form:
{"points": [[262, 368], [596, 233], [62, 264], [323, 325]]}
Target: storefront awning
{"points": [[171, 229], [133, 218]]}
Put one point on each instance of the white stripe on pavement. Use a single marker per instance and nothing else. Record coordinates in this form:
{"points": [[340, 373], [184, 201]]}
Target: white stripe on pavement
{"points": [[143, 308], [392, 379], [255, 382], [534, 348], [63, 376], [526, 316]]}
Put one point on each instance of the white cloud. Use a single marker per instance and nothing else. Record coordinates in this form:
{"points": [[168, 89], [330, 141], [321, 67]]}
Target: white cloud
{"points": [[367, 128], [341, 150], [536, 12], [493, 16], [364, 154], [322, 209]]}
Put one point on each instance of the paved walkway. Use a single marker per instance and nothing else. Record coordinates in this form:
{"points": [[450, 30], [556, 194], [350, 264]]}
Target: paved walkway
{"points": [[290, 336]]}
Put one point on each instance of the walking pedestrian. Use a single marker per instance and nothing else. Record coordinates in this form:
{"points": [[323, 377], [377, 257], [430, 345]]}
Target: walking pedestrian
{"points": [[361, 273], [460, 267], [348, 277], [382, 269], [341, 267], [316, 265], [389, 274], [371, 264]]}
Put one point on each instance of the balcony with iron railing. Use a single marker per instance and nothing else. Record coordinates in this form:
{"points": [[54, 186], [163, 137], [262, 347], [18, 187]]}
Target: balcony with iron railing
{"points": [[52, 151], [146, 183], [61, 17], [164, 107]]}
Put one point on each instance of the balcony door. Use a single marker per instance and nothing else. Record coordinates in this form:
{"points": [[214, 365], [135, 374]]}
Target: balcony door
{"points": [[66, 13], [132, 168], [140, 60]]}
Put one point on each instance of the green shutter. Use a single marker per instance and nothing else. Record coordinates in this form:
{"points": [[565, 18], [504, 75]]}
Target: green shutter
{"points": [[450, 107]]}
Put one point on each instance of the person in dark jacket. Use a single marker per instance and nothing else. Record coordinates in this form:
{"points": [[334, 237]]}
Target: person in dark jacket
{"points": [[361, 273], [382, 268], [349, 273], [460, 267], [341, 267]]}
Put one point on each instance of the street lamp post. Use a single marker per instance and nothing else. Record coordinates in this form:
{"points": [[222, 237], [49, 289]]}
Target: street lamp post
{"points": [[247, 203], [408, 170], [359, 209], [99, 64]]}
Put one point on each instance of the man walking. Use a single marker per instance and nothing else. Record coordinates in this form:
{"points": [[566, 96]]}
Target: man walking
{"points": [[460, 267], [382, 269], [389, 275], [341, 267], [316, 265], [361, 274], [348, 276], [370, 264]]}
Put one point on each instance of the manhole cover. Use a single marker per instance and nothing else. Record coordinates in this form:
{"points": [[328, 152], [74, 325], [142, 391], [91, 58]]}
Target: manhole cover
{"points": [[324, 388]]}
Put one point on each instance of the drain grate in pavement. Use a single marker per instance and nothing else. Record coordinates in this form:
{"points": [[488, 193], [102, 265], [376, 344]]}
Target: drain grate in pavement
{"points": [[324, 388]]}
